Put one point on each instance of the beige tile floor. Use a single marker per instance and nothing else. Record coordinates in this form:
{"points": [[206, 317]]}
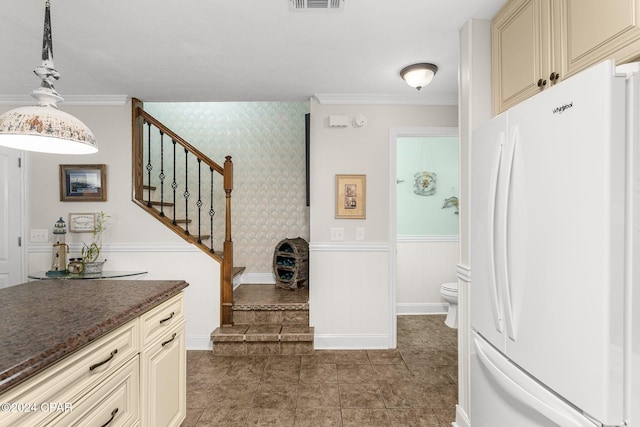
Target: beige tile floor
{"points": [[413, 385]]}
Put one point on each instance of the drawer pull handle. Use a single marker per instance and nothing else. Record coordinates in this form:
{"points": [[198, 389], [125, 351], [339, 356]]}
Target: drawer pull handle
{"points": [[173, 313], [113, 415], [173, 337], [95, 365]]}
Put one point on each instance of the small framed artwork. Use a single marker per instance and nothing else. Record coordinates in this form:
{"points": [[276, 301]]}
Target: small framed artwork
{"points": [[82, 222], [351, 196], [83, 183]]}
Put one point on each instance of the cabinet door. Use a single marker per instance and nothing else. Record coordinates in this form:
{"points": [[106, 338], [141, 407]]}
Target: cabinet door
{"points": [[163, 380], [521, 51], [595, 30]]}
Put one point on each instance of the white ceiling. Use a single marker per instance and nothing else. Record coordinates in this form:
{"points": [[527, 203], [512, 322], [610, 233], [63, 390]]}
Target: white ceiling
{"points": [[232, 50]]}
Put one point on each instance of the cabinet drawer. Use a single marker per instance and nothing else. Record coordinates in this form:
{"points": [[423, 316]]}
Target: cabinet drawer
{"points": [[73, 376], [157, 321], [113, 403]]}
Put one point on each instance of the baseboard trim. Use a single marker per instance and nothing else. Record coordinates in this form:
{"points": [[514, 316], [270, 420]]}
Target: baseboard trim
{"points": [[199, 342], [462, 420], [421, 308], [257, 278], [350, 342]]}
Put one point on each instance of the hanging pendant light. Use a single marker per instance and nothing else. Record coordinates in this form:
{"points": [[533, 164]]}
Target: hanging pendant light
{"points": [[43, 127]]}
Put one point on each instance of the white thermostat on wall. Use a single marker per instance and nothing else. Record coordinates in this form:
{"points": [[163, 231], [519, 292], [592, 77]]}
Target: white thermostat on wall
{"points": [[360, 121]]}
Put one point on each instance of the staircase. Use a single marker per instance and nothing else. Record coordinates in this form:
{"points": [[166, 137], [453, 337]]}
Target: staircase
{"points": [[268, 320], [186, 191]]}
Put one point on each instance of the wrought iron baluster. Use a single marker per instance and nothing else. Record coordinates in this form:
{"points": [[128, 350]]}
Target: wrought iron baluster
{"points": [[199, 202], [161, 176], [186, 190], [174, 184], [211, 211], [149, 166]]}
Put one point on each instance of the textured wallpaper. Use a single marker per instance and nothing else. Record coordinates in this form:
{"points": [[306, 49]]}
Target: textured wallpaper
{"points": [[267, 143]]}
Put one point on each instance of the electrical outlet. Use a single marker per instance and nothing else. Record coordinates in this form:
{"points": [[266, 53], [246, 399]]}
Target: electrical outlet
{"points": [[39, 236], [359, 233], [337, 234]]}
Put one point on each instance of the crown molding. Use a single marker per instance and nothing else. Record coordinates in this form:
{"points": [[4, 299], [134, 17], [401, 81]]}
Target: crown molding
{"points": [[114, 100], [387, 99]]}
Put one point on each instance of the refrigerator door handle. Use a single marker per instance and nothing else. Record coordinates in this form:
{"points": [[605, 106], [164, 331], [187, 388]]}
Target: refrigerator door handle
{"points": [[524, 389], [510, 151], [495, 295]]}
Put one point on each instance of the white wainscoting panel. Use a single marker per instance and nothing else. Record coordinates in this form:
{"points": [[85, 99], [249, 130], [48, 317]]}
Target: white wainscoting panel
{"points": [[424, 263], [349, 295]]}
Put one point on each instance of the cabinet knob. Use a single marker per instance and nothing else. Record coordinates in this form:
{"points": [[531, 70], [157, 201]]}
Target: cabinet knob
{"points": [[554, 76], [542, 83]]}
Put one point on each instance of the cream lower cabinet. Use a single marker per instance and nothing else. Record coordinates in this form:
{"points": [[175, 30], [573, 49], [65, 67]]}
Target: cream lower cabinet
{"points": [[133, 376], [537, 43], [163, 371], [163, 375]]}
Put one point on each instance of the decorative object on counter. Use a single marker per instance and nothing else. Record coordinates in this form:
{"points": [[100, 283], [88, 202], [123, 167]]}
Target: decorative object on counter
{"points": [[75, 266], [291, 263], [60, 250], [82, 222], [83, 183], [451, 202], [419, 75], [351, 195], [91, 251], [425, 183], [43, 127]]}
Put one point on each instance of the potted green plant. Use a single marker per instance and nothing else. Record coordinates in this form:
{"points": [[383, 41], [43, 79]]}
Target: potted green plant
{"points": [[91, 251]]}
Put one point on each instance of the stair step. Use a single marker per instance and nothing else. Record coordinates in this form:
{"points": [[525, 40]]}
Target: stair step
{"points": [[294, 314], [159, 203], [237, 271], [245, 339]]}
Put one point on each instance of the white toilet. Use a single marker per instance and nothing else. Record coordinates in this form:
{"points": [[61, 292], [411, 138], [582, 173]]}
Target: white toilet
{"points": [[449, 292]]}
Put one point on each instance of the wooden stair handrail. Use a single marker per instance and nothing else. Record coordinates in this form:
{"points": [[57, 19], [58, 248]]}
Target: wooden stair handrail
{"points": [[148, 117]]}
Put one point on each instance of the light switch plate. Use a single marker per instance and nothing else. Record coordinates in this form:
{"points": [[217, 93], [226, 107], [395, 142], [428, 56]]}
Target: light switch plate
{"points": [[39, 235], [337, 234], [359, 233]]}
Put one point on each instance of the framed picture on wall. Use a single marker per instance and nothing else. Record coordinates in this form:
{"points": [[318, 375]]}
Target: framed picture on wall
{"points": [[82, 222], [351, 196], [83, 183]]}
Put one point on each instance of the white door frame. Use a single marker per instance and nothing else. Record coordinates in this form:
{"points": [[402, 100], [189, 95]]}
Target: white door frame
{"points": [[16, 211], [394, 134]]}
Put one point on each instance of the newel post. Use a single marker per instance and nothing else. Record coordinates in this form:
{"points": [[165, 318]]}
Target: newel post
{"points": [[137, 132], [226, 289]]}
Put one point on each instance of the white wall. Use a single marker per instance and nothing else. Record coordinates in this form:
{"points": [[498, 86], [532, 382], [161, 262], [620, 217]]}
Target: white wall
{"points": [[133, 240], [346, 307], [475, 108]]}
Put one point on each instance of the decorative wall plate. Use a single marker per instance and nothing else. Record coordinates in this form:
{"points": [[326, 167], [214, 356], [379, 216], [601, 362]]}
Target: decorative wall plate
{"points": [[424, 183]]}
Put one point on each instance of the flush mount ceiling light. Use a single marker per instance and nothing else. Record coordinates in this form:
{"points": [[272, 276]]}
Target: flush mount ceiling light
{"points": [[419, 75], [43, 127]]}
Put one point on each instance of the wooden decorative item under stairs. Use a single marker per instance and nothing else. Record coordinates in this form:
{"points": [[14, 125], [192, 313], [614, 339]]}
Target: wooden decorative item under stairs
{"points": [[291, 263]]}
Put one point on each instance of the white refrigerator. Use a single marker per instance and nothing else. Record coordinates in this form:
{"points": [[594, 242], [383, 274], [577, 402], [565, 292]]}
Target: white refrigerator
{"points": [[555, 217]]}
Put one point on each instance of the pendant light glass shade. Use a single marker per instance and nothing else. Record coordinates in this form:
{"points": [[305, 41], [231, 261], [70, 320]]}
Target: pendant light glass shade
{"points": [[43, 127], [419, 75]]}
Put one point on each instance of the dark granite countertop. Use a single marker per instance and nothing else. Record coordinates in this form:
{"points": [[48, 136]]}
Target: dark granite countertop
{"points": [[46, 320]]}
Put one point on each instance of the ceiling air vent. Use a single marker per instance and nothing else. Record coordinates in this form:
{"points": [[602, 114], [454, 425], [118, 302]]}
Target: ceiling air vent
{"points": [[322, 5]]}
